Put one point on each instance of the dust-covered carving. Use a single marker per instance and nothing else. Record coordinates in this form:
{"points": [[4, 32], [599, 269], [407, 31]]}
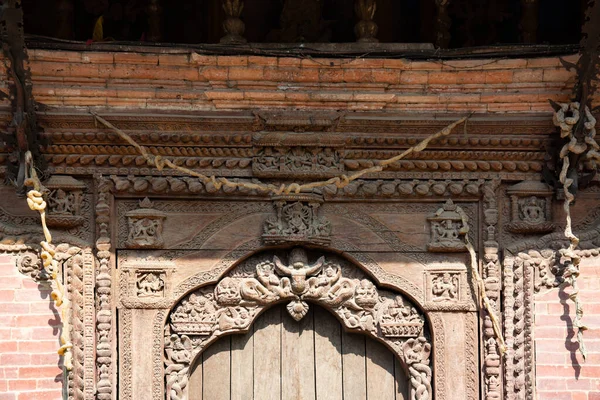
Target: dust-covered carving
{"points": [[64, 197], [297, 220], [447, 229], [531, 207], [445, 287], [145, 227], [232, 304], [150, 284]]}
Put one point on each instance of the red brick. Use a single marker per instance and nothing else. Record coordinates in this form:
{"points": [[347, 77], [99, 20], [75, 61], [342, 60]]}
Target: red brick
{"points": [[285, 61], [135, 58], [370, 63], [414, 77], [98, 58], [246, 74], [358, 75], [22, 385], [386, 76], [214, 73], [232, 60], [8, 396], [41, 395], [7, 295], [201, 59], [558, 75], [442, 78], [262, 61], [307, 75], [399, 63], [579, 396], [180, 60], [331, 75], [498, 77], [528, 75], [48, 384], [553, 395], [470, 77], [55, 56], [41, 346], [543, 62], [37, 372]]}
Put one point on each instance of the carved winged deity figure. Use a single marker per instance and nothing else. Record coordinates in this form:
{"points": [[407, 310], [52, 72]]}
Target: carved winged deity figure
{"points": [[298, 269]]}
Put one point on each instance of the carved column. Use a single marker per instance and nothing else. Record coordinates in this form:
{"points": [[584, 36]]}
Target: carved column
{"points": [[366, 29], [233, 26], [529, 20], [154, 21], [491, 277], [442, 24]]}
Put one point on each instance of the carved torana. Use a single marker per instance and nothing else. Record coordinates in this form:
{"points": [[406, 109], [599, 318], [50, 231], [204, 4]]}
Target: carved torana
{"points": [[233, 303]]}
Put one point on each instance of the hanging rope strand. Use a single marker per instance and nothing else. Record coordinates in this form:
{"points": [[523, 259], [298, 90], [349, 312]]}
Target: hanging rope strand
{"points": [[36, 202]]}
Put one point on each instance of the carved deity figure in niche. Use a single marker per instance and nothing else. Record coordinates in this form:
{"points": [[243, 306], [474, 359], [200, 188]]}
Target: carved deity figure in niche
{"points": [[445, 287], [145, 227], [447, 229], [531, 210], [298, 270], [400, 320], [61, 202], [150, 284], [297, 220]]}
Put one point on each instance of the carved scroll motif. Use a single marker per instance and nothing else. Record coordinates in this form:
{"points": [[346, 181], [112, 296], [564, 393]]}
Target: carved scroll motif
{"points": [[233, 303]]}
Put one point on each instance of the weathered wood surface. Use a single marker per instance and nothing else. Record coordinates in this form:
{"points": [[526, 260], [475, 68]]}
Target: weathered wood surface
{"points": [[281, 359]]}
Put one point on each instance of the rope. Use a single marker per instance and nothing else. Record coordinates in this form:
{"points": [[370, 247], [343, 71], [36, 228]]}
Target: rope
{"points": [[573, 146], [36, 202], [340, 181], [475, 277]]}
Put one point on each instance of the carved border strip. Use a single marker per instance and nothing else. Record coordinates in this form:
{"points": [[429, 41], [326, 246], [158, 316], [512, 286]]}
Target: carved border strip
{"points": [[89, 316], [105, 316]]}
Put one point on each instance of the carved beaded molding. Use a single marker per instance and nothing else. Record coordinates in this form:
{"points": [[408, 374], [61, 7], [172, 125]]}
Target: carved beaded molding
{"points": [[232, 304]]}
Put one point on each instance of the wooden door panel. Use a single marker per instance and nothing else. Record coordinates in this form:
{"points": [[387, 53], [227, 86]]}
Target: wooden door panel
{"points": [[281, 359]]}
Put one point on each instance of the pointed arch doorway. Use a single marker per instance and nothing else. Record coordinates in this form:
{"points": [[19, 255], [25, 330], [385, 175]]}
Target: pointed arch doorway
{"points": [[283, 359]]}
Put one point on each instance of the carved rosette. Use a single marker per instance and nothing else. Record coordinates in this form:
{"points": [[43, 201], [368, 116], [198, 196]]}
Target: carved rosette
{"points": [[64, 198], [232, 304], [531, 207], [447, 229], [297, 220], [145, 227]]}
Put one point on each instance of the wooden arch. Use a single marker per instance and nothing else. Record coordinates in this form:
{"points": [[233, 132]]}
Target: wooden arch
{"points": [[263, 280]]}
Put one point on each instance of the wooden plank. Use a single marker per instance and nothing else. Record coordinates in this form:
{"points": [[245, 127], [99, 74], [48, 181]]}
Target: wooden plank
{"points": [[401, 381], [328, 356], [217, 370], [242, 366], [297, 358], [355, 373], [195, 381], [380, 372], [267, 355]]}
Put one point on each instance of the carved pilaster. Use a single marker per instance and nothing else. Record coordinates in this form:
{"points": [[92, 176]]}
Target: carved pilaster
{"points": [[492, 368], [104, 320]]}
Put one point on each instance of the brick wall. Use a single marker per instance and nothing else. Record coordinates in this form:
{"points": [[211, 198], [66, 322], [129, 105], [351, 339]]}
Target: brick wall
{"points": [[72, 79], [560, 372], [29, 329]]}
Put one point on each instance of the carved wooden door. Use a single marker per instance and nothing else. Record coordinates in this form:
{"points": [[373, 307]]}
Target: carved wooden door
{"points": [[281, 359]]}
